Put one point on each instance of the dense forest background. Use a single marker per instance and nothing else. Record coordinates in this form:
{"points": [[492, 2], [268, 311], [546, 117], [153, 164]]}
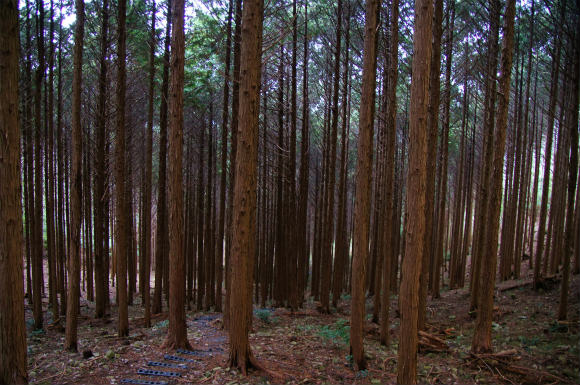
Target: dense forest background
{"points": [[400, 152]]}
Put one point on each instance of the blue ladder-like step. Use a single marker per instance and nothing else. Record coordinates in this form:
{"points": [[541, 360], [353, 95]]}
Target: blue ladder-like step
{"points": [[176, 358], [143, 382], [188, 352], [148, 372], [166, 365]]}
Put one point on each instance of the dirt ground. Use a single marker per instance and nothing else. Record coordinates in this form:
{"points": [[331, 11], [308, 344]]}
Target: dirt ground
{"points": [[308, 347]]}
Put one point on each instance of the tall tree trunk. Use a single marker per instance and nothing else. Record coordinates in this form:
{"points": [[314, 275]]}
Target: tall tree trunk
{"points": [[73, 300], [12, 326], [390, 252], [233, 150], [438, 249], [482, 334], [302, 215], [432, 131], [201, 275], [145, 270], [327, 249], [363, 183], [224, 160], [572, 122], [161, 231], [244, 201], [62, 252], [554, 80], [416, 180], [481, 212], [49, 153], [37, 262], [177, 331], [121, 241], [341, 254], [291, 180]]}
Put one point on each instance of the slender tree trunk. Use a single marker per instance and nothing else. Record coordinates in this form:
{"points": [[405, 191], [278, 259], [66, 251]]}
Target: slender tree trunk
{"points": [[73, 305], [50, 212], [341, 254], [161, 231], [363, 183], [145, 270], [554, 79], [572, 122], [121, 241], [201, 275], [439, 249], [233, 151], [12, 326], [37, 262], [391, 124], [480, 227], [482, 334], [224, 159], [304, 252]]}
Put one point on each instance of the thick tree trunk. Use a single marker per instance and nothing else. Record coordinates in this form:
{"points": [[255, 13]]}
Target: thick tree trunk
{"points": [[12, 326], [432, 131], [244, 201], [177, 331], [416, 179], [363, 183]]}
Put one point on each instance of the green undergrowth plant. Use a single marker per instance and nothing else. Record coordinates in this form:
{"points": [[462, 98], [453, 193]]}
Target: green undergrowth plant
{"points": [[338, 333], [265, 315]]}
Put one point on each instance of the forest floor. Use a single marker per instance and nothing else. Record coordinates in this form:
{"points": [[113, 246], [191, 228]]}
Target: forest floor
{"points": [[309, 347]]}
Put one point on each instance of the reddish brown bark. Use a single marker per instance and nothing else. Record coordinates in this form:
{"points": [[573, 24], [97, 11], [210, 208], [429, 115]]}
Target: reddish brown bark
{"points": [[416, 179], [73, 299], [363, 183], [482, 334], [12, 326], [244, 201]]}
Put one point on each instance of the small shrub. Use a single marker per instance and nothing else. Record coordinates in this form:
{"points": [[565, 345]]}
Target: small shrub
{"points": [[265, 316], [337, 333]]}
